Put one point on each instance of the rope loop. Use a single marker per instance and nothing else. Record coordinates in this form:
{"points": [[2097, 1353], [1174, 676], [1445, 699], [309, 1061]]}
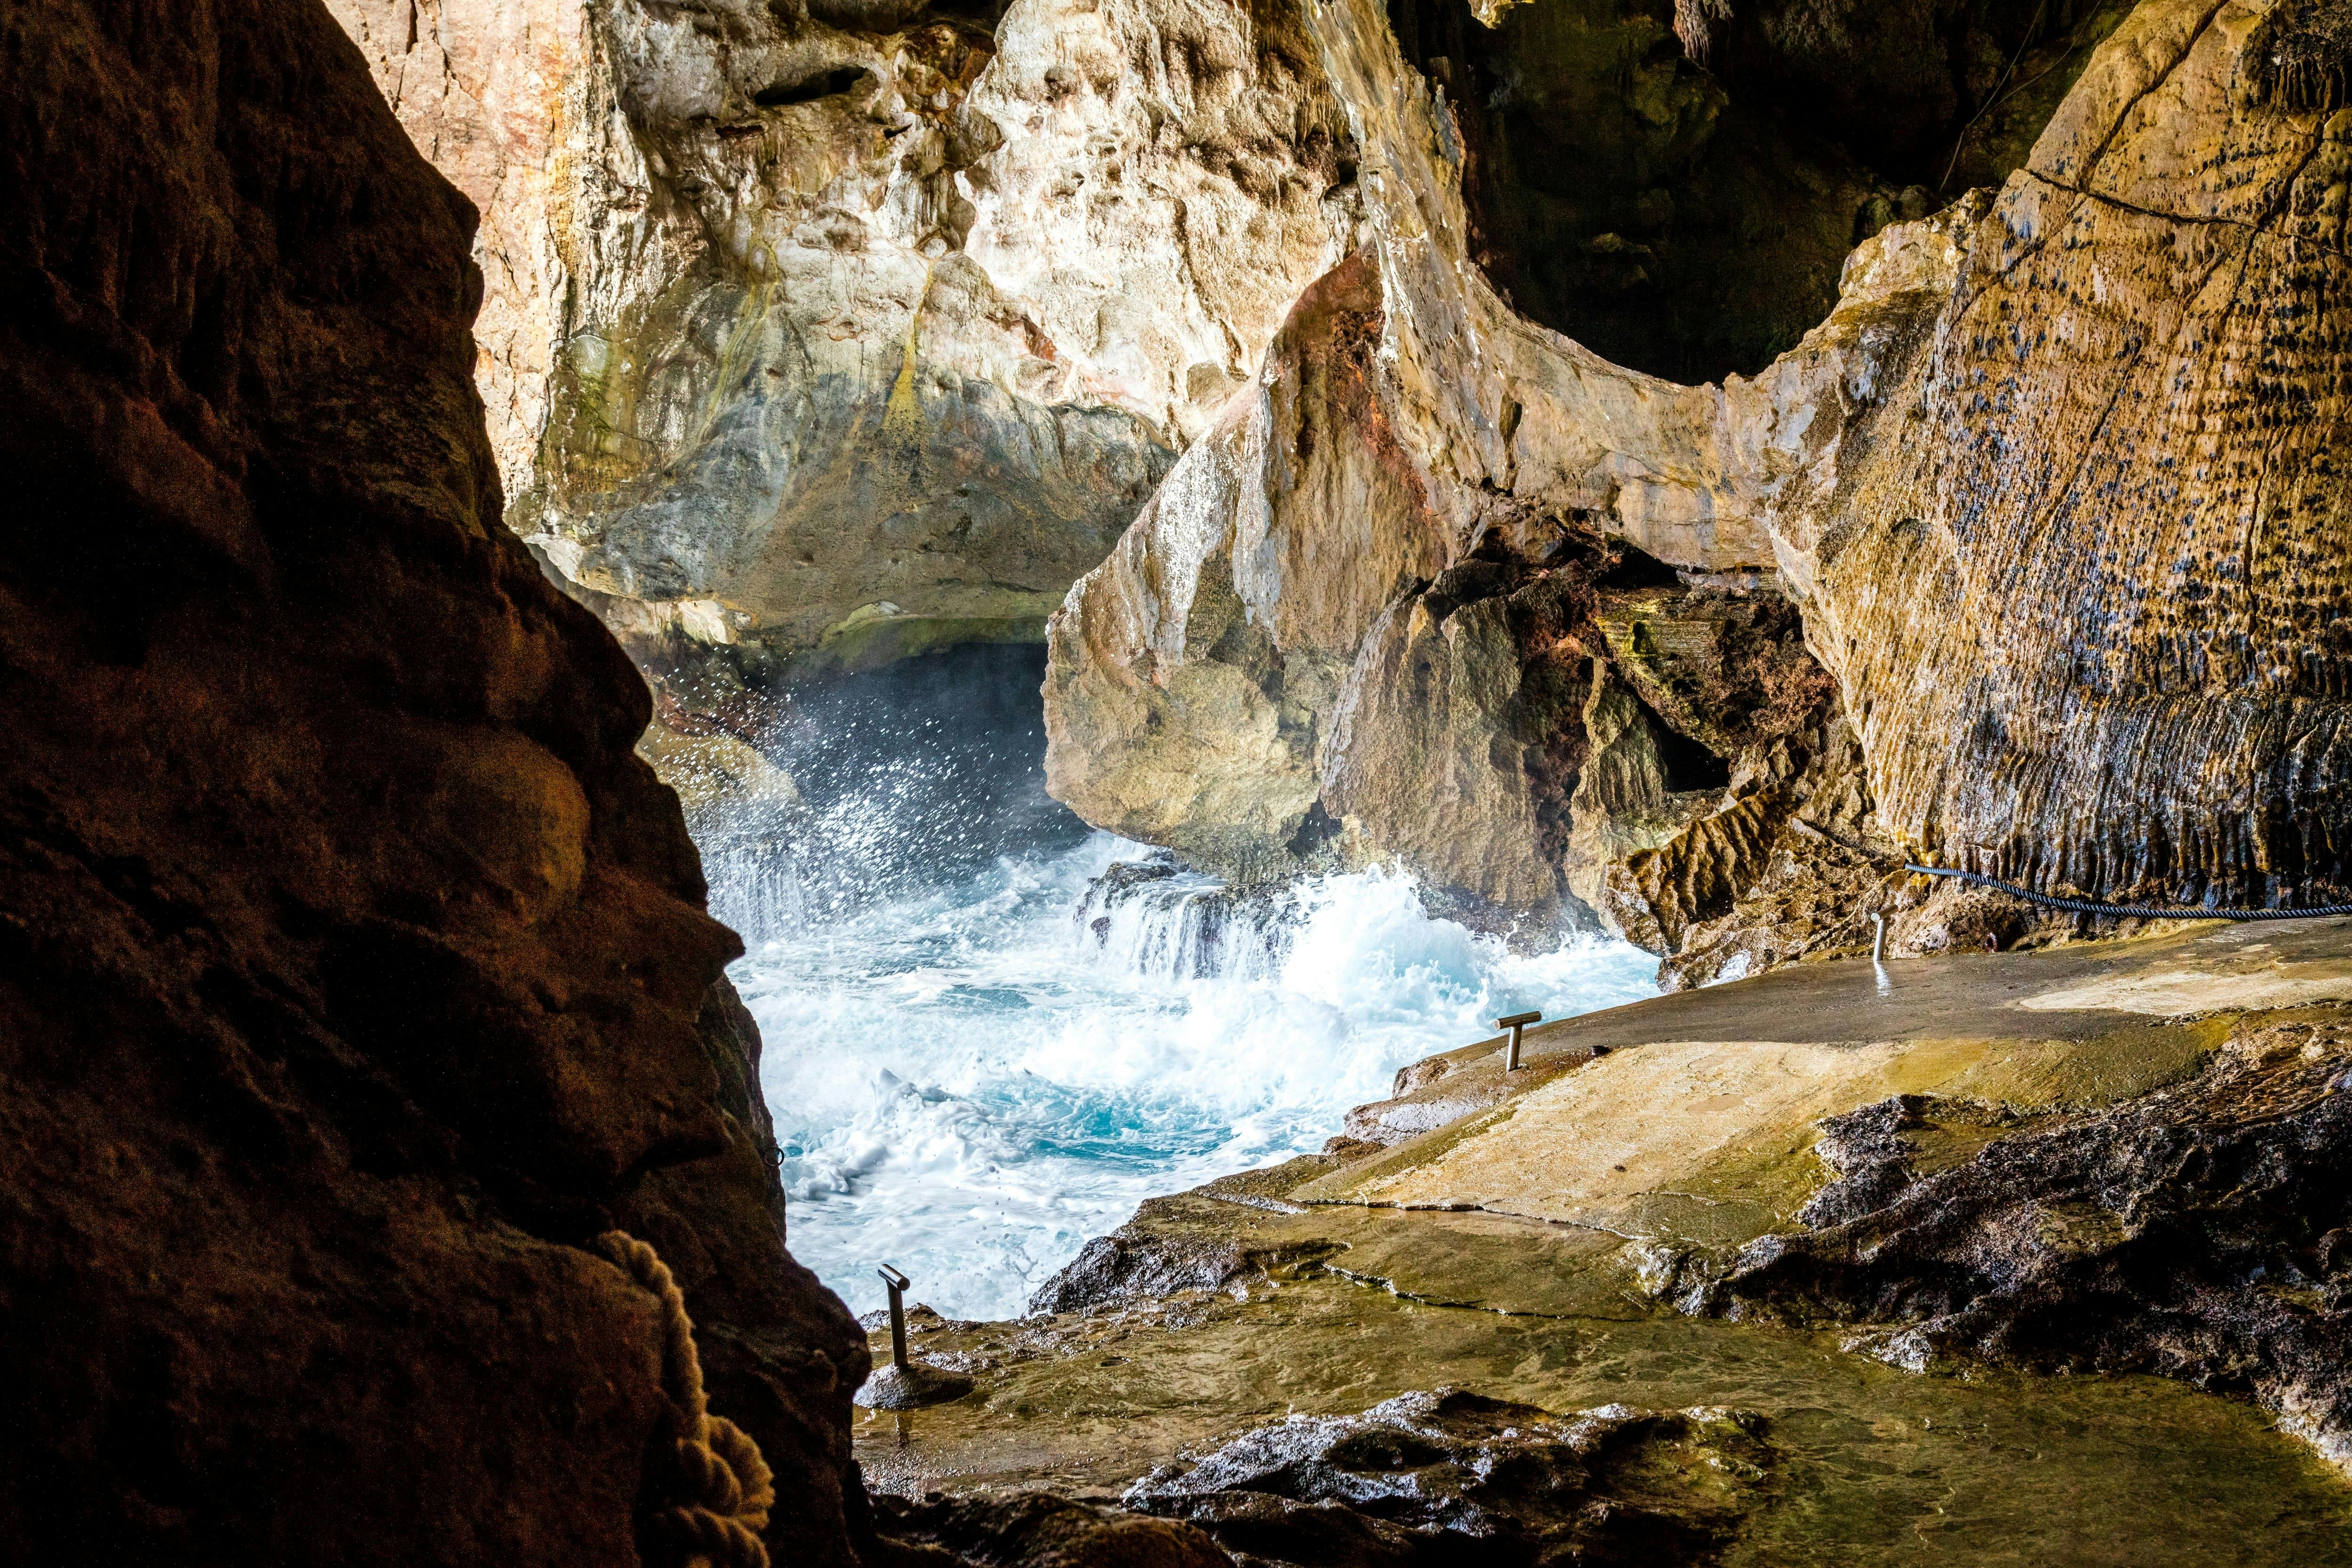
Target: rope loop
{"points": [[720, 1490]]}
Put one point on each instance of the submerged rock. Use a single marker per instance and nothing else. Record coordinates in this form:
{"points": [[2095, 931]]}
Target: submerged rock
{"points": [[1454, 1477]]}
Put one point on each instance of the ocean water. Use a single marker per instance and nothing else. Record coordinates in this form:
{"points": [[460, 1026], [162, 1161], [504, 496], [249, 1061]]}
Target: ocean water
{"points": [[990, 1033]]}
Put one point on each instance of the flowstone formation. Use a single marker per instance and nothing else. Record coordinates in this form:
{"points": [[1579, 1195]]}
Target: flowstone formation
{"points": [[2081, 569], [2051, 488], [356, 974], [820, 335]]}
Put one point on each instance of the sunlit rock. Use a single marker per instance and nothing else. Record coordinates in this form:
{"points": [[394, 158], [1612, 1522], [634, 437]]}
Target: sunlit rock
{"points": [[819, 338], [2050, 484]]}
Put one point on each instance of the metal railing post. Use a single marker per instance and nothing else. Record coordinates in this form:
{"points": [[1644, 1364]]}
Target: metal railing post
{"points": [[1517, 1023], [897, 1283]]}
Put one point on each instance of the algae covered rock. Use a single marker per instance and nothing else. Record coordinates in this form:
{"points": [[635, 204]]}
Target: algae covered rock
{"points": [[1454, 1476]]}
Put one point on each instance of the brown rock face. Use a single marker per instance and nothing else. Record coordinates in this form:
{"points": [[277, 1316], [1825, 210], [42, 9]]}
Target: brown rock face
{"points": [[356, 971]]}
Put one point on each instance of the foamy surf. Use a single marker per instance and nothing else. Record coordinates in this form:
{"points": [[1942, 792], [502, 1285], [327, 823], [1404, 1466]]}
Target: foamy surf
{"points": [[970, 1081]]}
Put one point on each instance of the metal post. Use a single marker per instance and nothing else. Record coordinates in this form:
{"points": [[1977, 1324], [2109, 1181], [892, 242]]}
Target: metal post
{"points": [[897, 1283], [1517, 1023], [1877, 936]]}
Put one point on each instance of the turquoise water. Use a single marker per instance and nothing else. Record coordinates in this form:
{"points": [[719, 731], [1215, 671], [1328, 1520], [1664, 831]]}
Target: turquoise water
{"points": [[971, 1080]]}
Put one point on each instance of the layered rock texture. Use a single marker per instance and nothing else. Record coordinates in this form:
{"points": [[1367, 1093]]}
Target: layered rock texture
{"points": [[2079, 569], [356, 974], [825, 334], [2051, 488]]}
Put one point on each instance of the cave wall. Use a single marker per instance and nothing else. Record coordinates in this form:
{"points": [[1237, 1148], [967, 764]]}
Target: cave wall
{"points": [[818, 336], [2084, 570], [356, 973], [1560, 588], [1682, 206], [2052, 484]]}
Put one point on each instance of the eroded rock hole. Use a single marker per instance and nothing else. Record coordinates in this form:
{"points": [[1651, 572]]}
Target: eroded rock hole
{"points": [[1689, 766], [1690, 220], [808, 89]]}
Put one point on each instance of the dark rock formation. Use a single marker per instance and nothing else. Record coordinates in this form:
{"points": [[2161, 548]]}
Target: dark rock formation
{"points": [[355, 972], [1686, 211], [1451, 1476], [1034, 1530], [2199, 1231]]}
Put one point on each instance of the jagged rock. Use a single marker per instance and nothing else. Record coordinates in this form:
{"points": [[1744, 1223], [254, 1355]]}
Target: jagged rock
{"points": [[1183, 1242], [2195, 1232], [819, 335], [910, 1388], [356, 974], [1454, 1476]]}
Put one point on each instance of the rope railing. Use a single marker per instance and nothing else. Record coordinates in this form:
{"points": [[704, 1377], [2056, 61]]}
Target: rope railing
{"points": [[2127, 911]]}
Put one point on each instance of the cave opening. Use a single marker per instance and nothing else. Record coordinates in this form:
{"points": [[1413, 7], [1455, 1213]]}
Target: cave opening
{"points": [[1685, 209], [1688, 765], [992, 1031]]}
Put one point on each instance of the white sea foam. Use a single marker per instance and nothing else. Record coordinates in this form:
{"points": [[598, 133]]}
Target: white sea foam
{"points": [[970, 1081]]}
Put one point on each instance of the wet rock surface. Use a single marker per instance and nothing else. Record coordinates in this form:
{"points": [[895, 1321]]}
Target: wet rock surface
{"points": [[1454, 1477], [2197, 1232], [1037, 1530], [1184, 1242], [1983, 1166]]}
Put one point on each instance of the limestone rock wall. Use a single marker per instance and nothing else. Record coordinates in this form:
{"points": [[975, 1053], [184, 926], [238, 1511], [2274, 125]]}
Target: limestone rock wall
{"points": [[2082, 571], [828, 334], [1424, 557], [2053, 487], [353, 973]]}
